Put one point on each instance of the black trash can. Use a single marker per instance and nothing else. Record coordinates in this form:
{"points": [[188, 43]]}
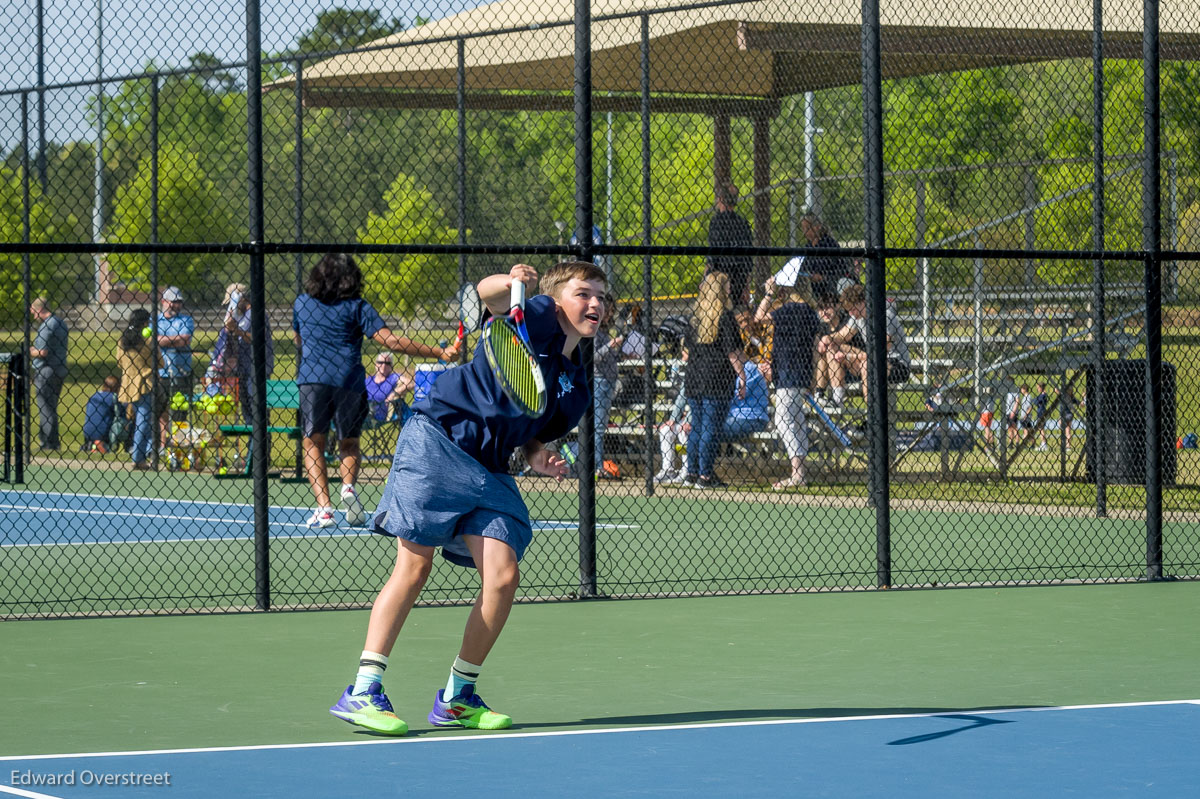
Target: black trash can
{"points": [[1124, 398]]}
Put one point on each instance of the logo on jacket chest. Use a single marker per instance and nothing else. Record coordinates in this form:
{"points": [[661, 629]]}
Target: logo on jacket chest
{"points": [[565, 386]]}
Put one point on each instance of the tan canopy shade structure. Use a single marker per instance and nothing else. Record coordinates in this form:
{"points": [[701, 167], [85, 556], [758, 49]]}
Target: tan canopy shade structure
{"points": [[737, 54]]}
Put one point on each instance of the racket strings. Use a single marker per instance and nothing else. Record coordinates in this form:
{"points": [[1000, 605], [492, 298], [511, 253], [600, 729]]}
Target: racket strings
{"points": [[514, 368]]}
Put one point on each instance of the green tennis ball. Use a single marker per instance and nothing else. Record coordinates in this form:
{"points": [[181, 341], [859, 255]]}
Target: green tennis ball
{"points": [[147, 332], [222, 470], [226, 405]]}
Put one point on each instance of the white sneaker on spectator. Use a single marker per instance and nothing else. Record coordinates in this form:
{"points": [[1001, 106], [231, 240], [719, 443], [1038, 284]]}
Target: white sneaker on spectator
{"points": [[676, 478], [664, 475], [355, 516], [322, 518]]}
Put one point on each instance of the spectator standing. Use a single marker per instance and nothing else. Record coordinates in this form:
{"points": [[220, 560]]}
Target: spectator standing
{"points": [[1026, 413], [98, 415], [606, 356], [716, 370], [329, 322], [827, 271], [729, 229], [135, 357], [49, 361], [175, 330], [1012, 413], [1039, 405], [797, 329], [237, 340], [1066, 413]]}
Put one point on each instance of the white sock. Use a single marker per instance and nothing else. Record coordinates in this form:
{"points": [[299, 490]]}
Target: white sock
{"points": [[462, 674], [839, 395], [370, 671]]}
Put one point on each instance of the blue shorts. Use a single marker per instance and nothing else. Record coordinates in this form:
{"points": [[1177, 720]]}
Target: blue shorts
{"points": [[436, 494]]}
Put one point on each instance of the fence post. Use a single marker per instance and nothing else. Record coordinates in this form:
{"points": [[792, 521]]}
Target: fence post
{"points": [[1151, 243], [258, 306], [583, 224], [1095, 415], [26, 287], [877, 407], [647, 236], [298, 166]]}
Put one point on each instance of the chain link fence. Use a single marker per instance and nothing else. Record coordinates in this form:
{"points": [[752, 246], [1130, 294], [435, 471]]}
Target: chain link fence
{"points": [[961, 293]]}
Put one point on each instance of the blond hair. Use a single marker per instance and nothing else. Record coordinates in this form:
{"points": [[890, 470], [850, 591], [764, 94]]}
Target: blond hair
{"points": [[561, 274], [712, 302]]}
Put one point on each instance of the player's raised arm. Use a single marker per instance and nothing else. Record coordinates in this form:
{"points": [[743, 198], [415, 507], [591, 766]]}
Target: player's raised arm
{"points": [[494, 290]]}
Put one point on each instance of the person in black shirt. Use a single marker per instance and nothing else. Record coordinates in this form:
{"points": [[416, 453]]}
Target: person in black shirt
{"points": [[716, 369], [729, 229], [797, 328]]}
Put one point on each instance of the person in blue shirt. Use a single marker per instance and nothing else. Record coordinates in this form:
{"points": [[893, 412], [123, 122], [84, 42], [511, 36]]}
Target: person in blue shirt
{"points": [[329, 322], [747, 413], [98, 415], [174, 329], [450, 487], [49, 361]]}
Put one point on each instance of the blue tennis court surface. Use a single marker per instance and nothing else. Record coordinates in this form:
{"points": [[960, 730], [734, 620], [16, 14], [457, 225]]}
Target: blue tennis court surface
{"points": [[95, 519], [1100, 750]]}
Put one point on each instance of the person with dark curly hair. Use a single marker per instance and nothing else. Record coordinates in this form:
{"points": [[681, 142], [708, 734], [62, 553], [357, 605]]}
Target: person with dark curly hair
{"points": [[135, 357], [329, 321]]}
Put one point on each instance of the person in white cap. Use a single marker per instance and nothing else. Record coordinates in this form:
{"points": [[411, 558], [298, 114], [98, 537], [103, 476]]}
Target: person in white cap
{"points": [[175, 330]]}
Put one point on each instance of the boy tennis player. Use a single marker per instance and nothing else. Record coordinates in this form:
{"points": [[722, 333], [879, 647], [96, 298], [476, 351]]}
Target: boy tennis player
{"points": [[449, 487]]}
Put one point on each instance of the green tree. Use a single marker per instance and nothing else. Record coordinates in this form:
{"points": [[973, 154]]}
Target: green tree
{"points": [[12, 229], [402, 283], [343, 28], [190, 210]]}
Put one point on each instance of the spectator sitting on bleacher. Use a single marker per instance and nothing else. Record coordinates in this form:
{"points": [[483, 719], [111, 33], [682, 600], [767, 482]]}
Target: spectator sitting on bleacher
{"points": [[385, 392], [748, 412], [673, 432], [840, 352], [99, 414], [833, 317]]}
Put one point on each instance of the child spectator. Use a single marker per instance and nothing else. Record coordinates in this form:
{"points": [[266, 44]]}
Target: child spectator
{"points": [[99, 414]]}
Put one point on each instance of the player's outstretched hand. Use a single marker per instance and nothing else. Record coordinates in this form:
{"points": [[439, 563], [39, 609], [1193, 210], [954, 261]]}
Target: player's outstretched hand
{"points": [[549, 463], [451, 353], [527, 275]]}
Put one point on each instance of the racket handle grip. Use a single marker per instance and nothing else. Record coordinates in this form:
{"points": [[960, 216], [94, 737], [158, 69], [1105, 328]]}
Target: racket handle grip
{"points": [[517, 295]]}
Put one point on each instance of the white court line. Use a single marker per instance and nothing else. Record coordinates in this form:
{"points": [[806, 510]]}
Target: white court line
{"points": [[505, 736], [547, 525], [128, 498]]}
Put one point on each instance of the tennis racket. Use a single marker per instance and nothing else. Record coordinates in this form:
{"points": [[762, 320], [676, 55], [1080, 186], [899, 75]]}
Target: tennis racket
{"points": [[509, 354], [467, 302]]}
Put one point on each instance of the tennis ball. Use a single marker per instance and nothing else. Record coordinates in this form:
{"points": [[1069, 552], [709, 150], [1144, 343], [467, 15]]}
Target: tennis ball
{"points": [[147, 332], [223, 470], [226, 405]]}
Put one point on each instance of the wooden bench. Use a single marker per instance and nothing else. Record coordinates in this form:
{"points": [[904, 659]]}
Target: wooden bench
{"points": [[283, 395]]}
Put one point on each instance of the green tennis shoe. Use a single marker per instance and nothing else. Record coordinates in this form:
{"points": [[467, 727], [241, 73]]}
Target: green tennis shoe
{"points": [[468, 710], [371, 711]]}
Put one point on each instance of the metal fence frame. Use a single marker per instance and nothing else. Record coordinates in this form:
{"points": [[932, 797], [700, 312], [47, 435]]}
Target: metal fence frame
{"points": [[255, 248]]}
